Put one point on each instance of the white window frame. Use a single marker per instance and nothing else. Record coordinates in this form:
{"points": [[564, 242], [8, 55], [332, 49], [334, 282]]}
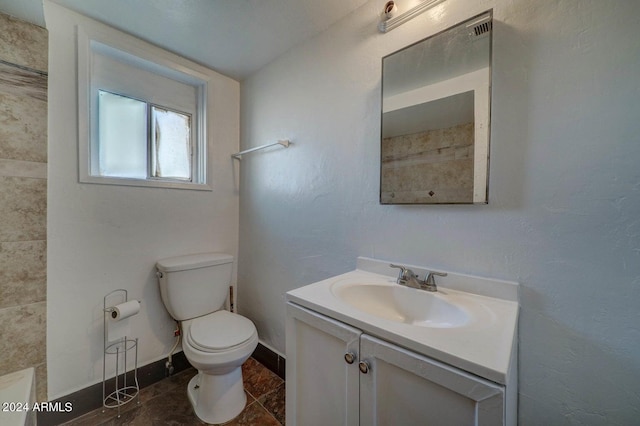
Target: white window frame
{"points": [[138, 54]]}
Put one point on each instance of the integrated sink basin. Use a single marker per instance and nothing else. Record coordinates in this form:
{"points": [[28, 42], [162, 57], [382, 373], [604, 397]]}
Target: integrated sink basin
{"points": [[401, 304], [469, 322]]}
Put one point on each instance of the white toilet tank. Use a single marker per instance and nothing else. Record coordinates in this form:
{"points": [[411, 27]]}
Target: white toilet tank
{"points": [[194, 285]]}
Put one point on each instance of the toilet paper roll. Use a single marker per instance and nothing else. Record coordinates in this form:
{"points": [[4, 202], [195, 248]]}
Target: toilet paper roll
{"points": [[125, 310]]}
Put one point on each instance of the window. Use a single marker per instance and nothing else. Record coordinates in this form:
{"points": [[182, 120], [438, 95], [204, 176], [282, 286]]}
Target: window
{"points": [[142, 141], [171, 149], [141, 113]]}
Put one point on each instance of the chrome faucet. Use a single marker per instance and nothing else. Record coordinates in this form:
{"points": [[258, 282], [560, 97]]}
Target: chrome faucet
{"points": [[408, 278]]}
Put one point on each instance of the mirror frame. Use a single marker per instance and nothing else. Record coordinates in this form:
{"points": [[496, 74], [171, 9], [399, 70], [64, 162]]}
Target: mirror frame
{"points": [[482, 94]]}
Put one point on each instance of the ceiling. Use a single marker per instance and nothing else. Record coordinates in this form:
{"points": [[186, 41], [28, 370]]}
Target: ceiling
{"points": [[234, 37]]}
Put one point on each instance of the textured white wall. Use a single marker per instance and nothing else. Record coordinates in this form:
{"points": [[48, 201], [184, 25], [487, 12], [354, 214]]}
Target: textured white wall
{"points": [[104, 237], [564, 212]]}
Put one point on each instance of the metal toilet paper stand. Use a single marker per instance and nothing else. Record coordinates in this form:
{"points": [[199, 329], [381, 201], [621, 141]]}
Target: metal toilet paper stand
{"points": [[122, 393]]}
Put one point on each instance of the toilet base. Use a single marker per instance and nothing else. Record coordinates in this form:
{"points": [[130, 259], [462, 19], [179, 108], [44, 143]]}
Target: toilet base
{"points": [[217, 399]]}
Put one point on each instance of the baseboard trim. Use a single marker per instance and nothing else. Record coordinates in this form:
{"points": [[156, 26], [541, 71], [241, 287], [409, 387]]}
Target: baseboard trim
{"points": [[90, 398], [270, 359]]}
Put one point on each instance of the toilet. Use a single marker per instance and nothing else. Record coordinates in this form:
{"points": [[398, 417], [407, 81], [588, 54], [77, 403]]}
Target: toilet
{"points": [[215, 341]]}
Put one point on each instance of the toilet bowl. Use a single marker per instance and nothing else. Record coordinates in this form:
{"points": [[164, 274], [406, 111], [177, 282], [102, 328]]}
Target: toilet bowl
{"points": [[216, 342], [217, 345]]}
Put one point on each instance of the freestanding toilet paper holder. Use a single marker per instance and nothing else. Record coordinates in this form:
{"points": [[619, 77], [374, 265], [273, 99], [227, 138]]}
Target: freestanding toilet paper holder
{"points": [[122, 393]]}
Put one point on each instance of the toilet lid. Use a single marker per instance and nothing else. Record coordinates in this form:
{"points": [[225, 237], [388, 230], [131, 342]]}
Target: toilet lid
{"points": [[220, 330]]}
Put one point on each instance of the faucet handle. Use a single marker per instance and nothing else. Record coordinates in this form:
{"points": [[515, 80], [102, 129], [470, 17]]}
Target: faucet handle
{"points": [[429, 280], [402, 275]]}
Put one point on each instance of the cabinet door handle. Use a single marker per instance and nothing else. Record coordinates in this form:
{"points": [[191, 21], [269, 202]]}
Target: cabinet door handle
{"points": [[364, 367], [350, 357]]}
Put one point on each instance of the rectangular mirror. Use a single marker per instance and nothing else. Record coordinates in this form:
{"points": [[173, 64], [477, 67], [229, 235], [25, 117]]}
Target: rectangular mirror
{"points": [[436, 101]]}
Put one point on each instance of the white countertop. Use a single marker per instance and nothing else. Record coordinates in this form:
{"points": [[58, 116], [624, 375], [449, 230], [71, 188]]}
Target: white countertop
{"points": [[484, 346]]}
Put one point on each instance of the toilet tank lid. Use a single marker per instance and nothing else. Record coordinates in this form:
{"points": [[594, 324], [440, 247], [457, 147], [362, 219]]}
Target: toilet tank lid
{"points": [[193, 261]]}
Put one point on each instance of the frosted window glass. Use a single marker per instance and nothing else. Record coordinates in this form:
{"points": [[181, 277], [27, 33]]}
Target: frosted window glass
{"points": [[122, 133], [171, 139]]}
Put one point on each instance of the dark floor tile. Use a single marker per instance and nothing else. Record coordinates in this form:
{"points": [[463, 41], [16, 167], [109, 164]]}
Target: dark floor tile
{"points": [[258, 380], [178, 381], [101, 415], [166, 403], [105, 415], [171, 408], [254, 415], [95, 417], [274, 403]]}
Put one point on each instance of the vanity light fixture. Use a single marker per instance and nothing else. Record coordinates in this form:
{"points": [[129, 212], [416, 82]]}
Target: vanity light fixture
{"points": [[392, 22]]}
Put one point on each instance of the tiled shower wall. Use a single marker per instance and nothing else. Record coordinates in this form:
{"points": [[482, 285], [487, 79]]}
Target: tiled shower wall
{"points": [[23, 198], [434, 166]]}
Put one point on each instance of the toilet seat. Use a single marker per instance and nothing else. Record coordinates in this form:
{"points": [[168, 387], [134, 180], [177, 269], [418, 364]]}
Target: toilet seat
{"points": [[219, 331]]}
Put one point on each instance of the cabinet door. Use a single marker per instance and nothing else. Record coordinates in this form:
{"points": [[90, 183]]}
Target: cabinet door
{"points": [[404, 388], [322, 388]]}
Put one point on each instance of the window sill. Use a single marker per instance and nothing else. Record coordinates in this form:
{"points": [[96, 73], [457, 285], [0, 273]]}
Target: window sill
{"points": [[100, 180]]}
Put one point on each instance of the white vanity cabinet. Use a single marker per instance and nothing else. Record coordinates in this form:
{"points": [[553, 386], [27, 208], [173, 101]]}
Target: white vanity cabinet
{"points": [[322, 388], [402, 387], [339, 375]]}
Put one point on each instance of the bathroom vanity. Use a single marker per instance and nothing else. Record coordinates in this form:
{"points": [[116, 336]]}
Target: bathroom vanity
{"points": [[364, 350]]}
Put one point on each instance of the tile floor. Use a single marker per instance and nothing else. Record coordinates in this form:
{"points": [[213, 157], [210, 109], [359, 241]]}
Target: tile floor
{"points": [[166, 403]]}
